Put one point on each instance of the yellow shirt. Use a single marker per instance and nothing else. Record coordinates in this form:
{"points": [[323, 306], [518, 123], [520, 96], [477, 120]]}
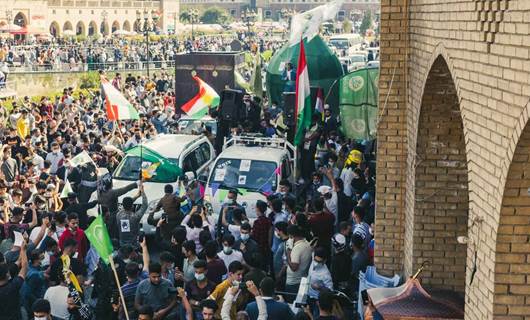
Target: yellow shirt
{"points": [[219, 296]]}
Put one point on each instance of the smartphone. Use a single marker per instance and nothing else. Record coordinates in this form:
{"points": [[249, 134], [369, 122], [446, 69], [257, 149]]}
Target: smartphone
{"points": [[141, 237]]}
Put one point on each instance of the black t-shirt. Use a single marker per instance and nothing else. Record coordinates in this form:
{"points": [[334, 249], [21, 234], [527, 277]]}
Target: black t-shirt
{"points": [[57, 268], [10, 297]]}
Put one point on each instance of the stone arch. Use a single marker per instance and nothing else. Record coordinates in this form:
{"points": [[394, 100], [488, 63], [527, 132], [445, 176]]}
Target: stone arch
{"points": [[512, 255], [441, 197], [127, 25], [92, 28], [80, 29], [55, 29], [21, 20], [68, 26], [115, 26]]}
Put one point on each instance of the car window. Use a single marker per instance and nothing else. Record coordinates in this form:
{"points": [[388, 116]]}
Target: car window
{"points": [[286, 169], [205, 150], [190, 162]]}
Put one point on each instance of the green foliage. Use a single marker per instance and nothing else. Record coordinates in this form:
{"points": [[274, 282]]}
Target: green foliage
{"points": [[185, 17], [347, 26], [80, 38], [89, 80], [215, 15], [366, 23]]}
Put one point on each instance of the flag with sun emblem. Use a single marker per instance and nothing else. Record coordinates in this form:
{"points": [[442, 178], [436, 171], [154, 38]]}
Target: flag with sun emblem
{"points": [[358, 99], [99, 238]]}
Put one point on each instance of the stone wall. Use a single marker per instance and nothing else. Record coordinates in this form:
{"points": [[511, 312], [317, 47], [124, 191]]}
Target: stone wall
{"points": [[484, 44]]}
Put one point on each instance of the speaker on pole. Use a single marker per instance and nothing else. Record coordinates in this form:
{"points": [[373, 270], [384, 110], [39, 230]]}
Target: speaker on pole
{"points": [[230, 105]]}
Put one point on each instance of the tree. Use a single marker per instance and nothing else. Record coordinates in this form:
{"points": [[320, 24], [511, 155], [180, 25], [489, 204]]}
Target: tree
{"points": [[185, 16], [366, 23], [215, 15], [347, 26]]}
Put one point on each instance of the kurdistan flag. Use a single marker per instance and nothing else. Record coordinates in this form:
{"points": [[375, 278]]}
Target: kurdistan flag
{"points": [[303, 106], [117, 106], [358, 94], [197, 107], [99, 238]]}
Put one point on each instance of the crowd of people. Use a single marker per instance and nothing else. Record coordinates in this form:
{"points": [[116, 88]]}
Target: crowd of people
{"points": [[110, 54], [318, 228]]}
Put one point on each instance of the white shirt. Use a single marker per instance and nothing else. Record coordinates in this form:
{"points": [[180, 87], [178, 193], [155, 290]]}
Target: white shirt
{"points": [[347, 177], [57, 297], [331, 204], [55, 159], [228, 259]]}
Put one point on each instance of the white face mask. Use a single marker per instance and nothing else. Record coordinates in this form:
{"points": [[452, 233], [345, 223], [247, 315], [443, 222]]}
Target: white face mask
{"points": [[200, 276], [40, 318], [245, 236]]}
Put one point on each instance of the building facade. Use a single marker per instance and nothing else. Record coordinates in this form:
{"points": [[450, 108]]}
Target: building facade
{"points": [[453, 164], [87, 17], [271, 9]]}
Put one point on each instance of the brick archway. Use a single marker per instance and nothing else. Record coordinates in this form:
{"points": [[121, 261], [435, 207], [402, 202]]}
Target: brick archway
{"points": [[512, 267], [441, 199]]}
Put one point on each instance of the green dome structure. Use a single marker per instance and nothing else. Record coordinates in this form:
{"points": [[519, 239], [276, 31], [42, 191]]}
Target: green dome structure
{"points": [[323, 65]]}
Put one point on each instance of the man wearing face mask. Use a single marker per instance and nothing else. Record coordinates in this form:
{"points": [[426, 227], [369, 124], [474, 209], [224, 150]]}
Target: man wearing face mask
{"points": [[228, 254], [246, 244], [319, 278], [35, 285], [229, 205], [55, 158], [10, 287], [199, 288], [235, 275], [42, 310]]}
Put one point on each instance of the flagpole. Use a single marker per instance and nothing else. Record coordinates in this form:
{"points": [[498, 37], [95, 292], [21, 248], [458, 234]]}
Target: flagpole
{"points": [[113, 267]]}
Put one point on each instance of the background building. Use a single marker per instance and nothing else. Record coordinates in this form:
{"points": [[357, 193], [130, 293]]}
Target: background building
{"points": [[270, 9], [86, 17]]}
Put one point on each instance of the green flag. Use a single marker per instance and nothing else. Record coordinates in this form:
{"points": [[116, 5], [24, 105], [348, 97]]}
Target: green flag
{"points": [[241, 82], [98, 236], [358, 94], [155, 167], [256, 81]]}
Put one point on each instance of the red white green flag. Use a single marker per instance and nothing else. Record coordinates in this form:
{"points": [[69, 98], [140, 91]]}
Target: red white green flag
{"points": [[197, 107], [303, 98], [117, 106]]}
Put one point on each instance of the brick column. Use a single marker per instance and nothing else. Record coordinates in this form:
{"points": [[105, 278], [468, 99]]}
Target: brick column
{"points": [[391, 138]]}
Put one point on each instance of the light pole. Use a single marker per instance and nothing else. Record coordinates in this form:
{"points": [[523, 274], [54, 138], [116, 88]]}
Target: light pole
{"points": [[146, 27], [248, 17], [9, 17], [194, 17]]}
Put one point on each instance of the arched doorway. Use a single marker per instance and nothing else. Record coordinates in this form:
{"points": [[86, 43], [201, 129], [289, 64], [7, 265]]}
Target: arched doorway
{"points": [[21, 20], [441, 200], [92, 28], [67, 26], [80, 29], [512, 261], [127, 25], [104, 28], [115, 26], [55, 29]]}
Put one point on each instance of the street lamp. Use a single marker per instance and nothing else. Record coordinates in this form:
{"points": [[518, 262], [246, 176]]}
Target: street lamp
{"points": [[146, 27], [248, 17], [193, 15]]}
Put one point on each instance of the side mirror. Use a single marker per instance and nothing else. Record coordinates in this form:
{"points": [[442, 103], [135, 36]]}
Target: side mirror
{"points": [[190, 175]]}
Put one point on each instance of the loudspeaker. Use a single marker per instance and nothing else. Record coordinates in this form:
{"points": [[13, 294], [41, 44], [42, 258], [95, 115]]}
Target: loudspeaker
{"points": [[230, 105], [289, 105]]}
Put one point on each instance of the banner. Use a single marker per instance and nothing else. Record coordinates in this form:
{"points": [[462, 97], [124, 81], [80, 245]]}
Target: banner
{"points": [[358, 103]]}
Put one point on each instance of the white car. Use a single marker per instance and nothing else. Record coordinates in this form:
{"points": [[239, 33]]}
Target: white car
{"points": [[189, 125], [373, 64], [358, 61], [253, 165], [192, 153]]}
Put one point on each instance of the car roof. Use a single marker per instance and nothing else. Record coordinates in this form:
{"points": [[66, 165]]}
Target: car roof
{"points": [[254, 153], [171, 145]]}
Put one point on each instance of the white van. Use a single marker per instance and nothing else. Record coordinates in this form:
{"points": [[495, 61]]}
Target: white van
{"points": [[349, 42], [192, 153], [251, 164]]}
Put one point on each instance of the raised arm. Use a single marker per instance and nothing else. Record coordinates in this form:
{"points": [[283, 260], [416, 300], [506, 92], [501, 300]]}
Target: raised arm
{"points": [[33, 222], [145, 255], [185, 303]]}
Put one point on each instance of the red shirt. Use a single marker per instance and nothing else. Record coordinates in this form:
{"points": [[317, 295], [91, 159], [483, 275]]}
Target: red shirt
{"points": [[79, 236], [260, 233], [322, 225]]}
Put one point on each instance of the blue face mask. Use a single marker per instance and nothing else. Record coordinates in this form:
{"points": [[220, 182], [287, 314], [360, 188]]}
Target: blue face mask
{"points": [[245, 236]]}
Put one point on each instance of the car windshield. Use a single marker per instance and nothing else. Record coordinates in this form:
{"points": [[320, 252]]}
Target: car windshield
{"points": [[339, 43], [247, 174], [357, 58], [129, 169], [192, 126]]}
